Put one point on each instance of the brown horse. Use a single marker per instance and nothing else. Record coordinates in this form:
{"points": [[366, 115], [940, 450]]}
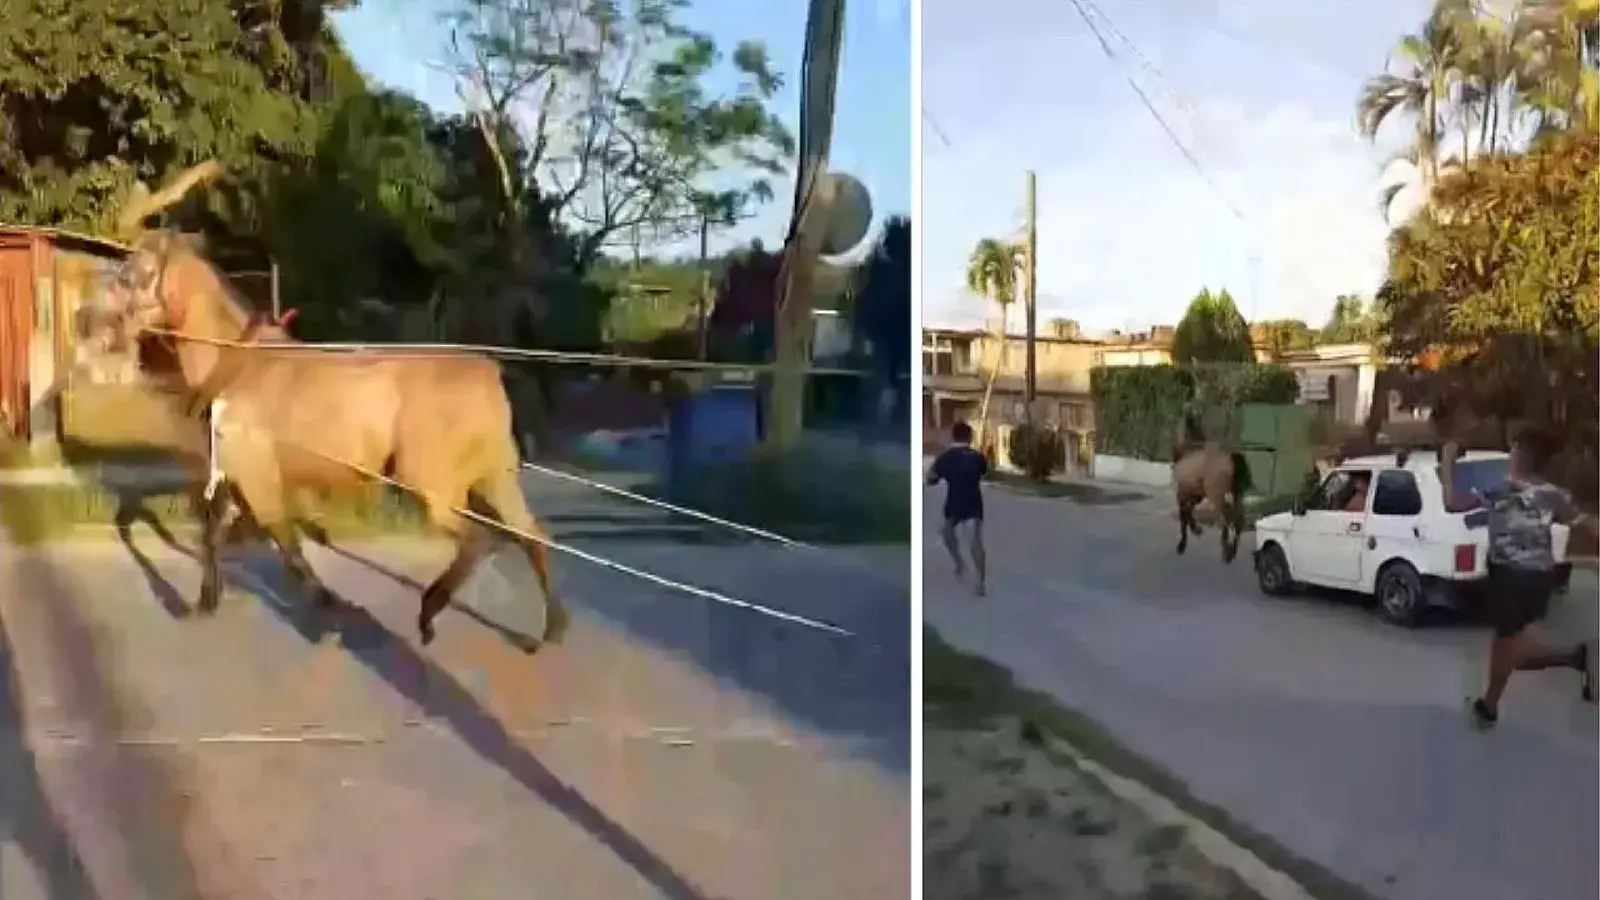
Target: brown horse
{"points": [[1206, 471], [293, 420]]}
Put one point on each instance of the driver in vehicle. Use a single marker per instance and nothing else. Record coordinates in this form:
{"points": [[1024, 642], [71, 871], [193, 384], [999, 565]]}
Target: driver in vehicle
{"points": [[1356, 493]]}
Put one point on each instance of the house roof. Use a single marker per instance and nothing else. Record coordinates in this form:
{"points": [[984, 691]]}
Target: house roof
{"points": [[62, 236]]}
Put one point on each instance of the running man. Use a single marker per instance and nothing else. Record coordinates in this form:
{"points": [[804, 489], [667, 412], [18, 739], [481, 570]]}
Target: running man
{"points": [[1522, 569], [962, 469]]}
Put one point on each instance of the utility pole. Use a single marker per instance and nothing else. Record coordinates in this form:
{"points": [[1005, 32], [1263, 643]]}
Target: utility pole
{"points": [[277, 300], [701, 313], [1030, 298]]}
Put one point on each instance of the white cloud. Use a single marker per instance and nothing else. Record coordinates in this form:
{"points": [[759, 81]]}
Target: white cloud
{"points": [[1129, 232]]}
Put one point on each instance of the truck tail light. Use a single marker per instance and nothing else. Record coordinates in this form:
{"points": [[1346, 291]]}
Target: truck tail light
{"points": [[1466, 558]]}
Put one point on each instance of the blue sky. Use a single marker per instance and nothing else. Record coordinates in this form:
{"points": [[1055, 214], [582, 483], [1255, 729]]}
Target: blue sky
{"points": [[399, 43], [1264, 93]]}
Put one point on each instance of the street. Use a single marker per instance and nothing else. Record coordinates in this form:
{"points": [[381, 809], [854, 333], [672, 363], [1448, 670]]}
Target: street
{"points": [[672, 747], [1305, 718]]}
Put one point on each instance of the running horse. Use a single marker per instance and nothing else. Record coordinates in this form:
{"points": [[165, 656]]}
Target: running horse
{"points": [[1206, 471], [291, 421]]}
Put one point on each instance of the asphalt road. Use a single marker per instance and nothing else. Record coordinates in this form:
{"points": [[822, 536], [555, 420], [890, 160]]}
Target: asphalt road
{"points": [[1306, 718], [673, 747]]}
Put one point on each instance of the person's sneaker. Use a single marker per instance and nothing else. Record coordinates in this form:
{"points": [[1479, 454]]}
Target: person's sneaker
{"points": [[1482, 716], [1584, 660]]}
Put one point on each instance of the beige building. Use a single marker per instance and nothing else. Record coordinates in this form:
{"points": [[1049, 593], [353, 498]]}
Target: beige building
{"points": [[957, 365]]}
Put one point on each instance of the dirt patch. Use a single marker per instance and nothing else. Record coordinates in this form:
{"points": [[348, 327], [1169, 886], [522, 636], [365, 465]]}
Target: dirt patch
{"points": [[1017, 804], [1006, 814]]}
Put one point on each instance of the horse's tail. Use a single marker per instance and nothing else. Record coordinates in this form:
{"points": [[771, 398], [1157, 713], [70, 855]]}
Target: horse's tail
{"points": [[1242, 481]]}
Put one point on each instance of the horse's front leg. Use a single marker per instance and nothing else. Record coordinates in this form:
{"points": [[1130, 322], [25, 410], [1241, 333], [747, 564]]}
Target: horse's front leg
{"points": [[213, 508]]}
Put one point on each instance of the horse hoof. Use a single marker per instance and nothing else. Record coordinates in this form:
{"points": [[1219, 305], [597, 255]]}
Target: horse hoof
{"points": [[556, 623], [207, 606], [425, 632]]}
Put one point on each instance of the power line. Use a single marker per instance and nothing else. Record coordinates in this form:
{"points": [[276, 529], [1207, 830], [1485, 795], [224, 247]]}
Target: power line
{"points": [[928, 120], [1193, 160], [1161, 120]]}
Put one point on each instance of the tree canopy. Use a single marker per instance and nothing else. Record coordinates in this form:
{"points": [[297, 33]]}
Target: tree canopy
{"points": [[882, 309], [610, 100], [1212, 330], [1500, 280], [1472, 82], [587, 124], [1352, 320]]}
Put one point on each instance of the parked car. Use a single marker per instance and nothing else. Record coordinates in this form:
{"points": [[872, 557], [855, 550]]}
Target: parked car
{"points": [[1380, 526]]}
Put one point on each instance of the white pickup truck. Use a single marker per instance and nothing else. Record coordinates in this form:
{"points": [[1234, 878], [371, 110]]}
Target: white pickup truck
{"points": [[1396, 542]]}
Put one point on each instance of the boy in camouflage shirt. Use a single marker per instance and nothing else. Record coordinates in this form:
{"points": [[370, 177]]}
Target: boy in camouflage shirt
{"points": [[1522, 569]]}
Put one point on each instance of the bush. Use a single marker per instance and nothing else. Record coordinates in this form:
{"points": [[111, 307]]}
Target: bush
{"points": [[1137, 408], [1037, 451]]}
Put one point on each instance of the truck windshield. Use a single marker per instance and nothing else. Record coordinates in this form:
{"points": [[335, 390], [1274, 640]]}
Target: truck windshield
{"points": [[1474, 478]]}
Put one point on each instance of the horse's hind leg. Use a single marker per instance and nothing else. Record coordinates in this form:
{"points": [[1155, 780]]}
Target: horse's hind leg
{"points": [[1185, 524], [1234, 529], [470, 544], [502, 492]]}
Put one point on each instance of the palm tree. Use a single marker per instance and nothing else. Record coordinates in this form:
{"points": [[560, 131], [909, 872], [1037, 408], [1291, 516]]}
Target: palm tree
{"points": [[1487, 72], [992, 272], [1559, 49], [1429, 61]]}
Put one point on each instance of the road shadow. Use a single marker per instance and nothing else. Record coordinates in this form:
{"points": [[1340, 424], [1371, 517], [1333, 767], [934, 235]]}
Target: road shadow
{"points": [[440, 696], [131, 510], [853, 688], [135, 788], [27, 816]]}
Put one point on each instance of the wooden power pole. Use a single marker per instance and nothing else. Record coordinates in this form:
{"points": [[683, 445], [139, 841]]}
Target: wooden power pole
{"points": [[1030, 300]]}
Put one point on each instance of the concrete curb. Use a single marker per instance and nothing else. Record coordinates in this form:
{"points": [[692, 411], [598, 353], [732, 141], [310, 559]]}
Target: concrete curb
{"points": [[1216, 847]]}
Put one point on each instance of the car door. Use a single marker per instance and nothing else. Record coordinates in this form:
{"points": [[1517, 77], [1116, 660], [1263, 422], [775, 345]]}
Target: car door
{"points": [[1391, 526], [1327, 541]]}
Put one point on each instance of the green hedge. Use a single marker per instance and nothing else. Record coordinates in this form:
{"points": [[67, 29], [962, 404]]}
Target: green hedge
{"points": [[1137, 408]]}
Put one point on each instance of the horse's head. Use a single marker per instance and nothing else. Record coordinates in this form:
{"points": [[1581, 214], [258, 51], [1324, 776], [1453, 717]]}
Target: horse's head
{"points": [[141, 289], [153, 286]]}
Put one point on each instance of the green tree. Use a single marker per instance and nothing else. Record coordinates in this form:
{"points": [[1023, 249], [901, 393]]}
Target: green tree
{"points": [[993, 271], [99, 94], [1420, 91], [1350, 321], [1212, 330], [1467, 72], [1286, 335], [882, 311], [622, 136], [1499, 285]]}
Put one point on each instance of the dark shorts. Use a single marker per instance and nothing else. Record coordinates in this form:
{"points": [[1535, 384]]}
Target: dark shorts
{"points": [[956, 518], [1517, 598]]}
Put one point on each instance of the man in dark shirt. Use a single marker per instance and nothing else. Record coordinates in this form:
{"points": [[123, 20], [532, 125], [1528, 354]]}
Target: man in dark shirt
{"points": [[1522, 568], [962, 469]]}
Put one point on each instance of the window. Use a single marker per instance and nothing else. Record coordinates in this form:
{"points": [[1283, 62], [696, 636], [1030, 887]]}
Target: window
{"points": [[1344, 490], [1476, 477], [1397, 494]]}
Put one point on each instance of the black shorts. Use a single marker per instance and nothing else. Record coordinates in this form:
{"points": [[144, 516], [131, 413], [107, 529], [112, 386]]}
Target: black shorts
{"points": [[1517, 597]]}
